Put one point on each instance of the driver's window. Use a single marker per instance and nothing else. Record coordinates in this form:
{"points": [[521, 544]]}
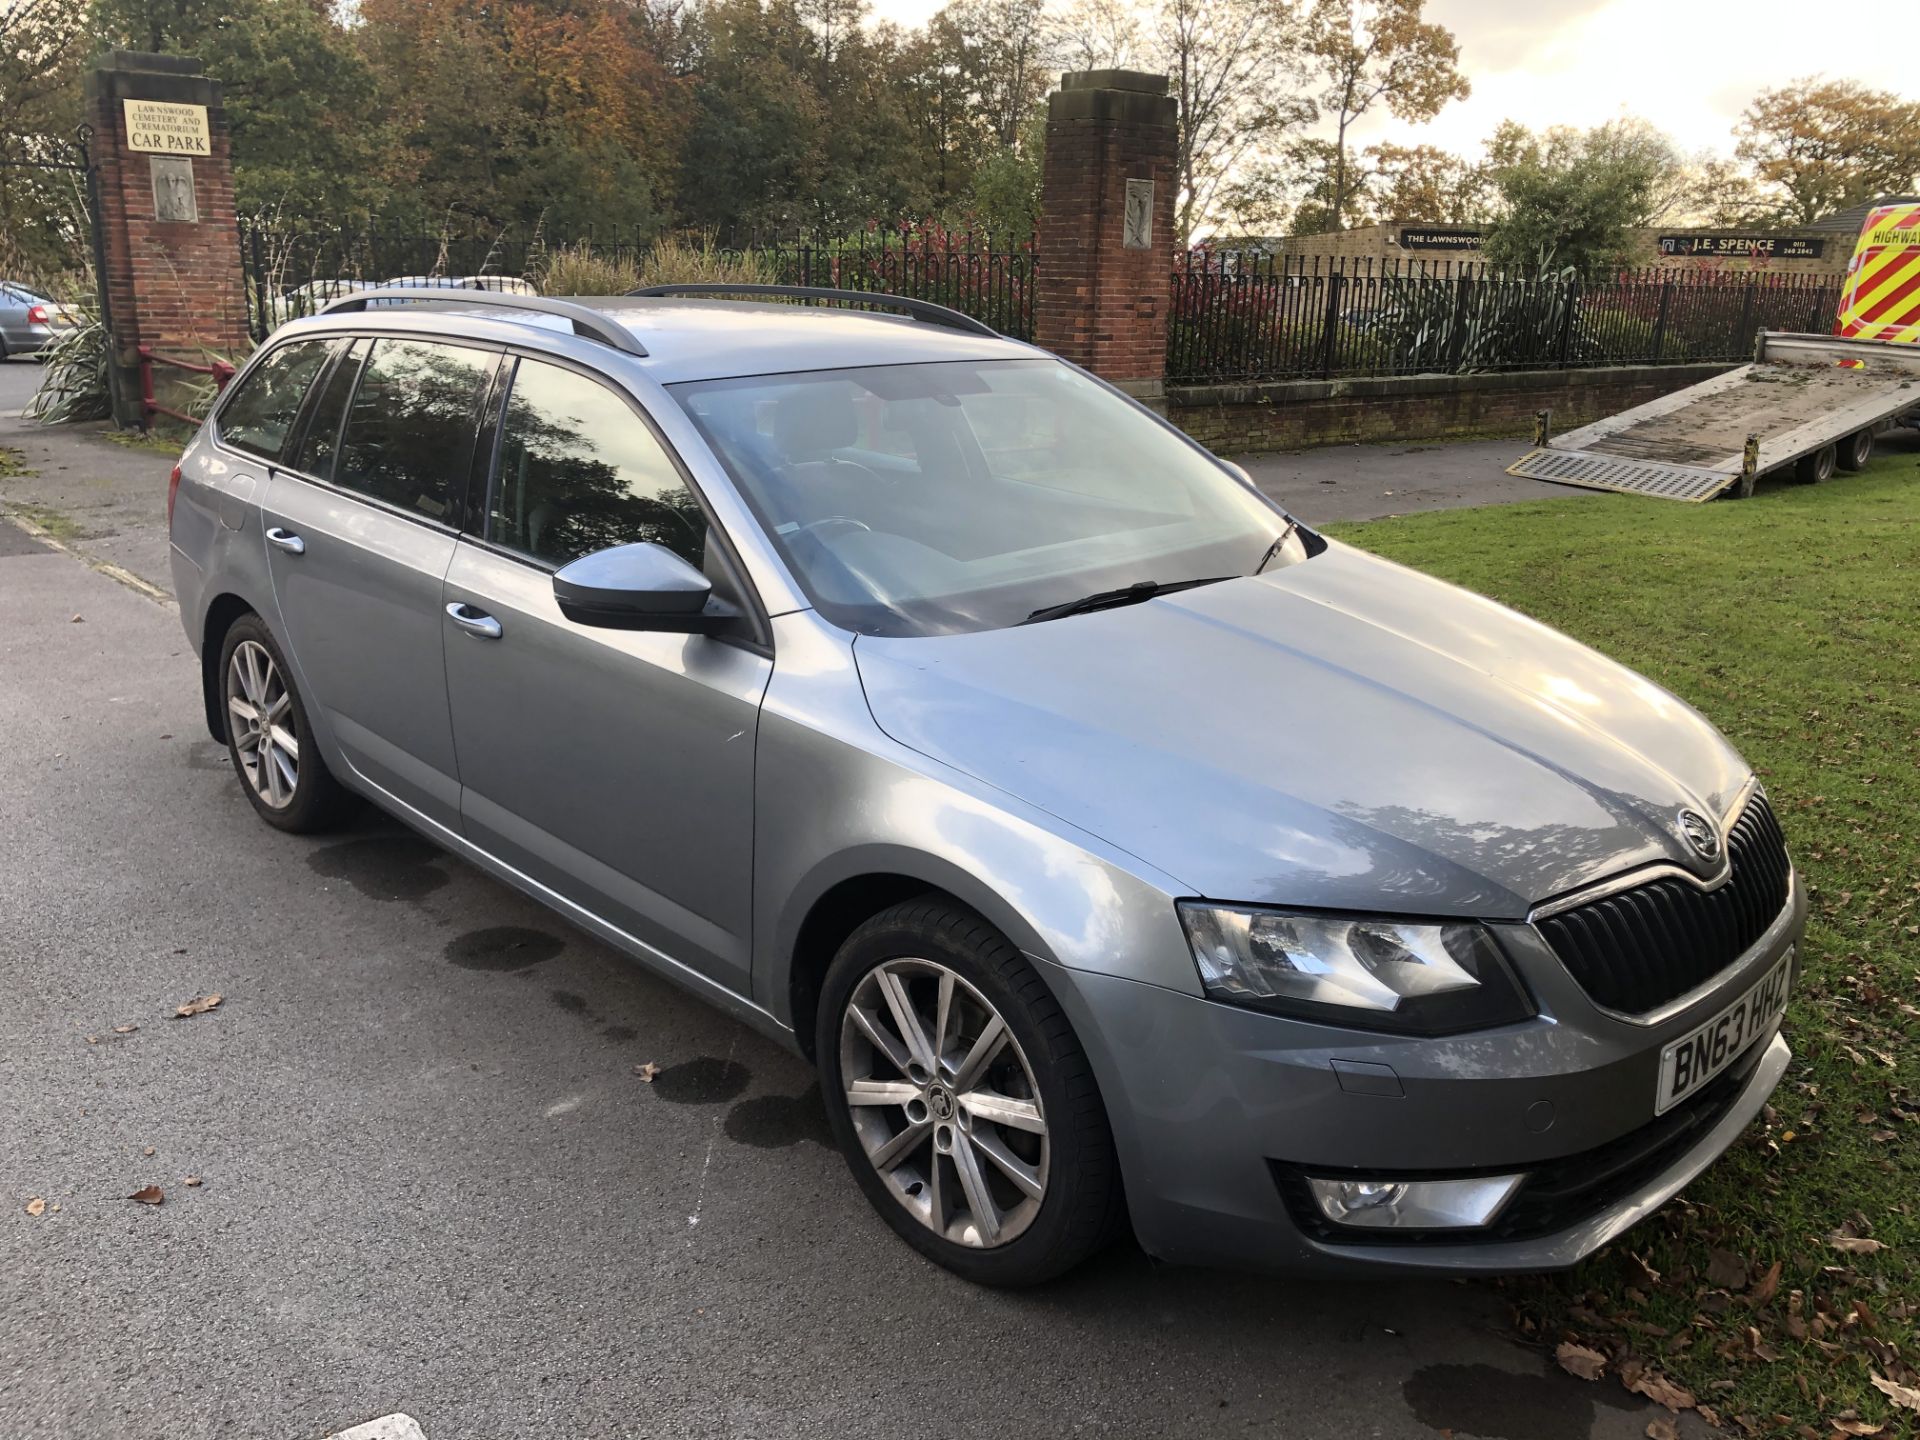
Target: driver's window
{"points": [[580, 471]]}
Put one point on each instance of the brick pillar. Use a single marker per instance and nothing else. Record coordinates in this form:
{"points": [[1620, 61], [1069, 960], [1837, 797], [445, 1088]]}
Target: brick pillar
{"points": [[1106, 227], [168, 235]]}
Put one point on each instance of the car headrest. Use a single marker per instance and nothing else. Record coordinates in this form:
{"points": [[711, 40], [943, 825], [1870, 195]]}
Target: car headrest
{"points": [[813, 422]]}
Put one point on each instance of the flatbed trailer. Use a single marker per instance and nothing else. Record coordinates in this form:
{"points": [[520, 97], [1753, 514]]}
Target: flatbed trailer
{"points": [[1807, 402]]}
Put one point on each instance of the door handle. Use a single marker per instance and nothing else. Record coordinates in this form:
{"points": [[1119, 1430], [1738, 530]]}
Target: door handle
{"points": [[476, 623], [287, 541]]}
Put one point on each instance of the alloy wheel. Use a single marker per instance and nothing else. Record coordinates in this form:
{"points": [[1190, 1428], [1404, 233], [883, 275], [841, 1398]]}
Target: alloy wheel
{"points": [[943, 1101], [260, 714]]}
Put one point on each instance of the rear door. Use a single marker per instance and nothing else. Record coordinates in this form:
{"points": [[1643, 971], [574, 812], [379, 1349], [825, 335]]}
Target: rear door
{"points": [[360, 529], [614, 767]]}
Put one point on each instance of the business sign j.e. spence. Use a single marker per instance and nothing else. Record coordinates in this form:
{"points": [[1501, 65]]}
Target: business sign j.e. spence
{"points": [[1773, 247], [160, 127]]}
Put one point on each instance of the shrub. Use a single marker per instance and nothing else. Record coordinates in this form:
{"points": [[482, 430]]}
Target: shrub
{"points": [[578, 270], [677, 261], [73, 383]]}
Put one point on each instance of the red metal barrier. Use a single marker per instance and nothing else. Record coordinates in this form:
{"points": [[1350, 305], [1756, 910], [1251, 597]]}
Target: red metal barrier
{"points": [[221, 371]]}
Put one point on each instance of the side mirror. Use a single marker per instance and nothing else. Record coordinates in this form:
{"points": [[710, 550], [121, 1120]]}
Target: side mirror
{"points": [[639, 587], [1239, 470]]}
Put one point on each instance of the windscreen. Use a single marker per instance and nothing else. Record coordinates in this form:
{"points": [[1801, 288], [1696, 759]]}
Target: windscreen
{"points": [[965, 495]]}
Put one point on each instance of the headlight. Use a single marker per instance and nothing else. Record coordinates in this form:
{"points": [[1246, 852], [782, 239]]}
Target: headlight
{"points": [[1417, 979]]}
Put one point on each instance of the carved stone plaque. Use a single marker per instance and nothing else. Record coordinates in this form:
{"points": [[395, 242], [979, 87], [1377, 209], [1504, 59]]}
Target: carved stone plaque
{"points": [[1137, 230], [173, 197]]}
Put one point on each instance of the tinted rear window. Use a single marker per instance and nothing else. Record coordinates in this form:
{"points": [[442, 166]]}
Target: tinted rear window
{"points": [[410, 431], [258, 415]]}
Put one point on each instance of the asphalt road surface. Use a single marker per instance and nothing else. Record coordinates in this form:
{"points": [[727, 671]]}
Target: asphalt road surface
{"points": [[431, 1183]]}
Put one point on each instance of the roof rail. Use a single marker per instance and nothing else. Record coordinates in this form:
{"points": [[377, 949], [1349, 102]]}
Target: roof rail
{"points": [[924, 310], [590, 323]]}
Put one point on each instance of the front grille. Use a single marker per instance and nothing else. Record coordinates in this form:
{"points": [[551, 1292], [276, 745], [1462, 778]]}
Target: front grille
{"points": [[1558, 1194], [1634, 951]]}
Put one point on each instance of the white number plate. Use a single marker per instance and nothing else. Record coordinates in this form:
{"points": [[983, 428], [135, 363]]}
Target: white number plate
{"points": [[1696, 1057]]}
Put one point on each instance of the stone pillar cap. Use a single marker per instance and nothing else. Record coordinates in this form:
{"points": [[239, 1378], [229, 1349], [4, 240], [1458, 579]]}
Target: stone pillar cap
{"points": [[1138, 81]]}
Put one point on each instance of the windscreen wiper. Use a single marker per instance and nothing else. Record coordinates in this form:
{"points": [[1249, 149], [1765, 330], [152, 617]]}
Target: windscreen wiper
{"points": [[1274, 548], [1112, 599]]}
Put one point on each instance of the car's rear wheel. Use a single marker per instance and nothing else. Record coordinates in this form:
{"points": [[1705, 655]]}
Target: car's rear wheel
{"points": [[962, 1099], [1856, 450], [1812, 469], [268, 737]]}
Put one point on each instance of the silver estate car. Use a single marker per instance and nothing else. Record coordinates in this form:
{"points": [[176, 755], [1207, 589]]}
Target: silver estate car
{"points": [[1123, 852]]}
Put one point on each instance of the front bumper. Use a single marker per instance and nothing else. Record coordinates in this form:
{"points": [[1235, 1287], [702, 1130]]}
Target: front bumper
{"points": [[1217, 1111]]}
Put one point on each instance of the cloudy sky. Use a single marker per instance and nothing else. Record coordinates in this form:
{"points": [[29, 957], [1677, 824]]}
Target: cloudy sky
{"points": [[1689, 66]]}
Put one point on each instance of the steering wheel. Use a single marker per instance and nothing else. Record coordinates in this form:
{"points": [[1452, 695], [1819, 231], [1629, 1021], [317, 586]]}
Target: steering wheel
{"points": [[812, 525]]}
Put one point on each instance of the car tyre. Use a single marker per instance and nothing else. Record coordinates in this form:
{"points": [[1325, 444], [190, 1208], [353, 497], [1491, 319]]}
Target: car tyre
{"points": [[1812, 469], [943, 962], [1856, 450], [275, 758]]}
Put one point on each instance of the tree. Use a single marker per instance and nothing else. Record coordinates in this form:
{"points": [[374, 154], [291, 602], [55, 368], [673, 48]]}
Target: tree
{"points": [[1817, 146], [1423, 182], [1720, 193], [1312, 166], [756, 142], [1568, 198], [41, 45], [1097, 34], [297, 93], [1383, 53], [1236, 72], [1005, 59]]}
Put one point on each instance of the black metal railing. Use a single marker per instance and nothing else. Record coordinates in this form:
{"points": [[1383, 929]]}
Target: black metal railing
{"points": [[291, 272], [1239, 316], [993, 281]]}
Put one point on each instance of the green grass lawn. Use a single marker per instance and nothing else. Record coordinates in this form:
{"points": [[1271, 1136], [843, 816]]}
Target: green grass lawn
{"points": [[1793, 621]]}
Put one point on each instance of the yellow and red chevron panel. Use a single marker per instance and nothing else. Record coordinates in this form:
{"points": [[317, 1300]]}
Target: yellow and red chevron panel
{"points": [[1881, 300]]}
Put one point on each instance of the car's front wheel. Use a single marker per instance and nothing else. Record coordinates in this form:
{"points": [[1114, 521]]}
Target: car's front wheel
{"points": [[268, 737], [962, 1099]]}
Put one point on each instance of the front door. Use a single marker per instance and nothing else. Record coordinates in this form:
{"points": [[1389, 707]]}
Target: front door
{"points": [[614, 767], [360, 531]]}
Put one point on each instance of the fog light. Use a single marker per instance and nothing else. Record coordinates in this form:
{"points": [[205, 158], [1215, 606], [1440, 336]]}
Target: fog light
{"points": [[1414, 1204]]}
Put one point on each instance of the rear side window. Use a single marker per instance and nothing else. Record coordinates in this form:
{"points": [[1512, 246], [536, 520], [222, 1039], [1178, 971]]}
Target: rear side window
{"points": [[410, 428], [580, 471], [317, 446], [258, 415]]}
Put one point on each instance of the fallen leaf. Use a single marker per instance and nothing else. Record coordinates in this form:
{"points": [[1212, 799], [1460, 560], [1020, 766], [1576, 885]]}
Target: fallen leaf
{"points": [[36, 1206], [93, 1039], [1579, 1360], [191, 1181], [1661, 1429], [1766, 1287], [196, 1007], [78, 620], [1905, 1396], [1726, 1270], [125, 1029], [1849, 1426], [647, 1071], [1649, 1276], [1761, 1349], [150, 1195], [148, 1151], [1662, 1391], [1855, 1244]]}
